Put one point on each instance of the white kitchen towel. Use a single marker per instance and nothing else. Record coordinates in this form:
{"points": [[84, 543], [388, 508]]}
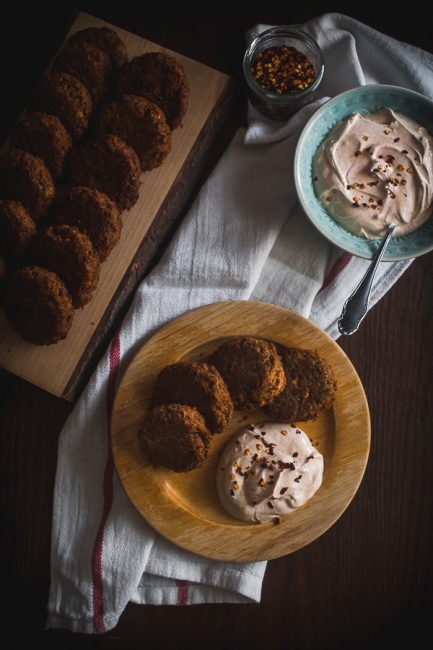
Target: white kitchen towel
{"points": [[244, 238]]}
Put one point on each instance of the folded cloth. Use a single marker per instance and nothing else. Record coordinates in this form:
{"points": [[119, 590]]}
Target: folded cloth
{"points": [[244, 238]]}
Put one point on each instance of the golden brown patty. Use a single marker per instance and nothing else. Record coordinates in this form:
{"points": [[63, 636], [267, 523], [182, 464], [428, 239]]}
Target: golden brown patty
{"points": [[107, 165], [39, 306], [310, 386], [90, 65], [196, 384], [65, 96], [44, 136], [94, 213], [106, 40], [17, 229], [159, 78], [251, 369], [141, 125], [25, 178], [67, 251], [175, 436]]}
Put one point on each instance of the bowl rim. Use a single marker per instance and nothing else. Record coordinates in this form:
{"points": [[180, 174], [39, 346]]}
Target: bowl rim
{"points": [[296, 171]]}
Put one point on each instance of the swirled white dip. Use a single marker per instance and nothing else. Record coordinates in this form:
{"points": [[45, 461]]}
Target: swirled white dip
{"points": [[268, 471], [374, 170]]}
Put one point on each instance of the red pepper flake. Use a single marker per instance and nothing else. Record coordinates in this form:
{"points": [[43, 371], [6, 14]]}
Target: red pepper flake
{"points": [[372, 183], [404, 151], [270, 505], [298, 478], [276, 521], [403, 181], [357, 153], [283, 465], [381, 157], [348, 187], [396, 139], [379, 202], [298, 431], [283, 490], [310, 457], [295, 454], [361, 186], [364, 205], [283, 69], [251, 427], [355, 205], [263, 433]]}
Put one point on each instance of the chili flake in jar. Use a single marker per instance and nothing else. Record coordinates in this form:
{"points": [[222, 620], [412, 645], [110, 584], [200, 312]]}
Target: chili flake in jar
{"points": [[283, 69]]}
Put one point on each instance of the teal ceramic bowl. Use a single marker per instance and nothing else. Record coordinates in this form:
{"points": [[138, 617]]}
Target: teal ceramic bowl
{"points": [[365, 99]]}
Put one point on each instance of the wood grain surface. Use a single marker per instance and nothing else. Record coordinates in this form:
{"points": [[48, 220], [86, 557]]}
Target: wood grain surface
{"points": [[367, 583], [54, 367], [184, 507]]}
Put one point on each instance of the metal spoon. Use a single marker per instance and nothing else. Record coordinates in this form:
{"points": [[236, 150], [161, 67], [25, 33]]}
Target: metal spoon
{"points": [[355, 307]]}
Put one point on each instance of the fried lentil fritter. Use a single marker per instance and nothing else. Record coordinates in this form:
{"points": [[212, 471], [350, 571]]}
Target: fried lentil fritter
{"points": [[195, 384], [94, 213], [141, 125], [107, 165], [39, 306], [106, 40], [65, 96], [69, 253], [44, 136], [17, 229], [310, 386], [25, 178], [251, 369], [89, 64], [161, 79], [175, 436]]}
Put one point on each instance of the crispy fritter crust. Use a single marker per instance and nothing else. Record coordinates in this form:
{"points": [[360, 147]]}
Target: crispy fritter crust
{"points": [[69, 253], [25, 178], [310, 386], [175, 436], [141, 125], [251, 369], [65, 96], [17, 229], [94, 213], [39, 306], [106, 40], [161, 79], [107, 165], [90, 65], [44, 136], [196, 384]]}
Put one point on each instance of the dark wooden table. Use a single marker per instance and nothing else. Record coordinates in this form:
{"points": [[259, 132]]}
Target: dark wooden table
{"points": [[369, 580]]}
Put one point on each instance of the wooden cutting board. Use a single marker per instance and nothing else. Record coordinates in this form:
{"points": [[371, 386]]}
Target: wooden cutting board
{"points": [[60, 368]]}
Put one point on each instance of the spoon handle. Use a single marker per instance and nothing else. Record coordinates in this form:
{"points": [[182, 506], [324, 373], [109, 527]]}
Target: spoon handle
{"points": [[355, 307]]}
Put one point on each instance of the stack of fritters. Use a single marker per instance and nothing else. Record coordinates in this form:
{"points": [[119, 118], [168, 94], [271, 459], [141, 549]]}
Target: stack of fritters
{"points": [[98, 174], [193, 400]]}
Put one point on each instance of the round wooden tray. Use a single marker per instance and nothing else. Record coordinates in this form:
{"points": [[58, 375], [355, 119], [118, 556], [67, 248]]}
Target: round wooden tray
{"points": [[184, 508]]}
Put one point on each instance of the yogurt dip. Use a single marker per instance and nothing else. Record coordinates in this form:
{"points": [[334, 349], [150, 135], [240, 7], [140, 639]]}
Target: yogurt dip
{"points": [[374, 170], [268, 471]]}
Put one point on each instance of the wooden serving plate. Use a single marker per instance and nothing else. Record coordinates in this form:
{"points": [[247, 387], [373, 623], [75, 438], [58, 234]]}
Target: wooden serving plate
{"points": [[185, 508], [60, 368]]}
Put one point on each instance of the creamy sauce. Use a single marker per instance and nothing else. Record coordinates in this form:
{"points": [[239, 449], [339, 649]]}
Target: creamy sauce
{"points": [[375, 170], [268, 471]]}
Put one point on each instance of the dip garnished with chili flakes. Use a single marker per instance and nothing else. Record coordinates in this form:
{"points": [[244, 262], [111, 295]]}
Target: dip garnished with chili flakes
{"points": [[268, 471], [283, 69], [374, 170]]}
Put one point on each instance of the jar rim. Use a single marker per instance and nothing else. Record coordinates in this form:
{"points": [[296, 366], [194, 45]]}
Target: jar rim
{"points": [[282, 30]]}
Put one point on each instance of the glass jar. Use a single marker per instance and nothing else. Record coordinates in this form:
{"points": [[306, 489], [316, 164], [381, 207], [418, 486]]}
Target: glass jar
{"points": [[282, 102]]}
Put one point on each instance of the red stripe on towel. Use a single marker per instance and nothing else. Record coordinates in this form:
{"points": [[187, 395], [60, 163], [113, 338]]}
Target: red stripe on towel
{"points": [[97, 584], [339, 265], [182, 593]]}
